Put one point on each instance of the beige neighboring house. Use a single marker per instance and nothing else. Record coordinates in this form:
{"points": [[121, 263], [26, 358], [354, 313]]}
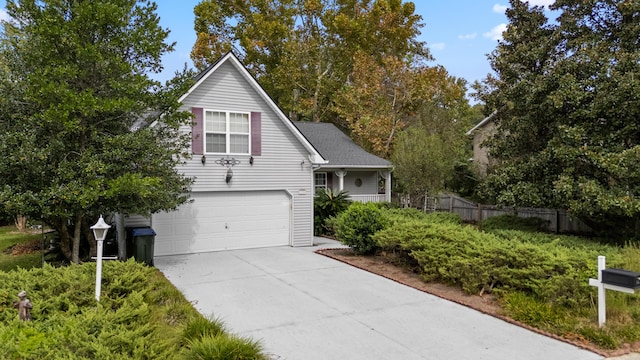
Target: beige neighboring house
{"points": [[481, 132]]}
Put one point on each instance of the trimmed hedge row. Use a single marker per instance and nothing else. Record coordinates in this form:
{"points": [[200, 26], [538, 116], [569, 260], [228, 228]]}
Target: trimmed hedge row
{"points": [[483, 262]]}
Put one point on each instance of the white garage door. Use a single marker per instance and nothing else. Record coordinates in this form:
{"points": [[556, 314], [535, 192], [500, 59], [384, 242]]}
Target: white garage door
{"points": [[224, 220]]}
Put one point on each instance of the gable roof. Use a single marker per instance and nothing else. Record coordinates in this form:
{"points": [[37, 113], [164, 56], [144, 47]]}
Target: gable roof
{"points": [[338, 148], [482, 123], [230, 57]]}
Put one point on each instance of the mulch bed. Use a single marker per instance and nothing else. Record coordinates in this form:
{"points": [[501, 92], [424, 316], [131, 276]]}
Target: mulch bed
{"points": [[386, 266], [28, 247]]}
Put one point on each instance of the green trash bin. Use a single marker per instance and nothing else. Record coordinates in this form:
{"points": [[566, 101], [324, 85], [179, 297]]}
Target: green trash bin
{"points": [[143, 242]]}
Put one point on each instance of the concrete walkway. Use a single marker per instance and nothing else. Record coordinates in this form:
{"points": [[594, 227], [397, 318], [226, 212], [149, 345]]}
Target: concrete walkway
{"points": [[306, 306]]}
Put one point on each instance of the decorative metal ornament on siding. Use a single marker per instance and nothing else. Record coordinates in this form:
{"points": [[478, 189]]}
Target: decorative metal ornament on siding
{"points": [[229, 162]]}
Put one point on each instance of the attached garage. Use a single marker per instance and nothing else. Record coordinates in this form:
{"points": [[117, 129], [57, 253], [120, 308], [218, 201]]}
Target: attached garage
{"points": [[252, 171], [223, 221]]}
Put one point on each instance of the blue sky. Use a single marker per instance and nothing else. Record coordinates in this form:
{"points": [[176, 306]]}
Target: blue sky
{"points": [[459, 33]]}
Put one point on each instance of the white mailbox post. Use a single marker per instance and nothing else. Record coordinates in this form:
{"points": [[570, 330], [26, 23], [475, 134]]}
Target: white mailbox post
{"points": [[612, 279]]}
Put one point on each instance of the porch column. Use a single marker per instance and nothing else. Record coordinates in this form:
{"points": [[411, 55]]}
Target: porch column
{"points": [[341, 174], [387, 185]]}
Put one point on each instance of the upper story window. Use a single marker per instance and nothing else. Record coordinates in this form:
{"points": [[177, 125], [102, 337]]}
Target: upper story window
{"points": [[227, 132]]}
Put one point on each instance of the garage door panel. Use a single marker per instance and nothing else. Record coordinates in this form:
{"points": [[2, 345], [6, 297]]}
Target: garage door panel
{"points": [[219, 221]]}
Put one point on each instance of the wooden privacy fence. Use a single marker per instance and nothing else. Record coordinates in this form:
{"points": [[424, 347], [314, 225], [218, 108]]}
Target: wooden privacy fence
{"points": [[557, 220]]}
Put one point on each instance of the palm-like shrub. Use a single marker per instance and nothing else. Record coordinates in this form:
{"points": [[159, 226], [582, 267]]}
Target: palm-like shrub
{"points": [[328, 203]]}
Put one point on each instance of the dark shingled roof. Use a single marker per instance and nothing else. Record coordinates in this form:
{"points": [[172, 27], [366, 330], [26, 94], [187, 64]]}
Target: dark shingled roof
{"points": [[337, 148]]}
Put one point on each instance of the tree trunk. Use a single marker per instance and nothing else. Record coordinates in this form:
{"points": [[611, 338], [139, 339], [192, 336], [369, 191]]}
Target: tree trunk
{"points": [[21, 223], [77, 231], [64, 238], [88, 234]]}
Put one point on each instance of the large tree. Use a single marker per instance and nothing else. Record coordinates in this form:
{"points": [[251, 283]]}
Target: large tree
{"points": [[356, 63], [86, 131], [568, 101], [302, 52], [385, 97]]}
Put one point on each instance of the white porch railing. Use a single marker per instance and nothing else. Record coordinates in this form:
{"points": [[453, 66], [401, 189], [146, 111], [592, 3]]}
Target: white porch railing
{"points": [[368, 198]]}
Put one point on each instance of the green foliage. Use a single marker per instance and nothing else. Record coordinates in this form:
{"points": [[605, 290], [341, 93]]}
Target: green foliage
{"points": [[535, 312], [140, 315], [439, 217], [541, 279], [426, 153], [356, 225], [328, 203], [554, 271], [514, 222], [464, 181], [201, 327], [401, 215], [225, 347], [207, 339], [302, 53], [579, 73], [84, 70]]}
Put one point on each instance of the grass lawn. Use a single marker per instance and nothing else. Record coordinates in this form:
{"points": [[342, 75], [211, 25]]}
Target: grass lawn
{"points": [[10, 237], [141, 315]]}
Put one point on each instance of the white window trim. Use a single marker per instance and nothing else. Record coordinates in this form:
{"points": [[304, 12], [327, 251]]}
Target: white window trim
{"points": [[315, 184], [227, 133]]}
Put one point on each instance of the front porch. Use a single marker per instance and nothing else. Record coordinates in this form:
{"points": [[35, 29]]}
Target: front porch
{"points": [[363, 185], [369, 198]]}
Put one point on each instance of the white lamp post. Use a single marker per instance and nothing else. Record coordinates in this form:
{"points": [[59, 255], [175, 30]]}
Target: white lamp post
{"points": [[100, 233]]}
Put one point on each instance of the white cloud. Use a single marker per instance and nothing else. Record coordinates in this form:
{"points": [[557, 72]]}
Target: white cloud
{"points": [[437, 46], [496, 32], [541, 2], [500, 9], [3, 15], [467, 36]]}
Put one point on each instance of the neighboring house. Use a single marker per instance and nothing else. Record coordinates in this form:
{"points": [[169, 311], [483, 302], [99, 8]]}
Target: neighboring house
{"points": [[253, 169], [349, 167], [481, 132]]}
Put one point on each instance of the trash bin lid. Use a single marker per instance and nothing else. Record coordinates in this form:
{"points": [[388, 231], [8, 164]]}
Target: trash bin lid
{"points": [[143, 232]]}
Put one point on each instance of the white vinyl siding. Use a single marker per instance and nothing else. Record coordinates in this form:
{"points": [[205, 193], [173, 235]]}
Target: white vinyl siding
{"points": [[369, 182], [226, 132], [283, 164]]}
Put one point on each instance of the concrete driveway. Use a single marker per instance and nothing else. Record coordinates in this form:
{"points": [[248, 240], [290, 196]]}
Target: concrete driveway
{"points": [[302, 305]]}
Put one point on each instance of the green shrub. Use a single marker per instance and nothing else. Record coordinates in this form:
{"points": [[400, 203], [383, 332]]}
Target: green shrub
{"points": [[439, 217], [600, 337], [140, 314], [485, 262], [513, 222], [540, 278], [395, 216], [535, 312], [330, 226], [201, 327], [224, 347], [355, 226], [328, 203]]}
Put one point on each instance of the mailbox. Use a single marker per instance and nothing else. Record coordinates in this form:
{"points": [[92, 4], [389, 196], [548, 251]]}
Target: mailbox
{"points": [[623, 278]]}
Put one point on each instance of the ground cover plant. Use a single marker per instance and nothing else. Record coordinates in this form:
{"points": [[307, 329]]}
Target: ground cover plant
{"points": [[140, 316], [540, 279]]}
